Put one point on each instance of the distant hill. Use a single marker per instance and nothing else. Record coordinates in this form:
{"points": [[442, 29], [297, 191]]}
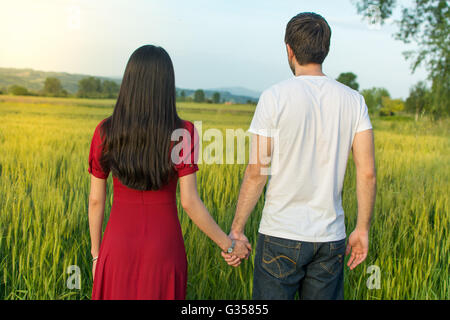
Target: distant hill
{"points": [[224, 95], [34, 80], [239, 91]]}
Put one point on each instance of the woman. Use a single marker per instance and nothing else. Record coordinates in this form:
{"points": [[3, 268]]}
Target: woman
{"points": [[142, 255]]}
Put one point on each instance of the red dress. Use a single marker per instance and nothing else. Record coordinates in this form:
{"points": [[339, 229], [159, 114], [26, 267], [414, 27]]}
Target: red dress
{"points": [[142, 254]]}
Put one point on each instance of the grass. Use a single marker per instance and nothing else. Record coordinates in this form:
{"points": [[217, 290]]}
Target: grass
{"points": [[44, 186]]}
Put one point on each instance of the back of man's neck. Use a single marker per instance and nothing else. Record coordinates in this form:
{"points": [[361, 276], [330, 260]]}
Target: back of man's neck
{"points": [[311, 69]]}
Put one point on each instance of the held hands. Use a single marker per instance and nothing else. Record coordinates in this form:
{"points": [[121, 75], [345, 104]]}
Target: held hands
{"points": [[241, 250]]}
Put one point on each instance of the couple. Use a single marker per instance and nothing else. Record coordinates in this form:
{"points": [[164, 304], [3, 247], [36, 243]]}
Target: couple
{"points": [[306, 125]]}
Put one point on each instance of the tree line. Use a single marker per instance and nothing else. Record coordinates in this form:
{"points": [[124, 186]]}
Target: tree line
{"points": [[199, 96], [92, 87], [425, 23], [379, 101], [89, 87], [420, 102]]}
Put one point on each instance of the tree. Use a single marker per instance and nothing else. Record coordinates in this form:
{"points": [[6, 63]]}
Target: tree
{"points": [[53, 88], [216, 97], [89, 87], [426, 23], [418, 100], [199, 95], [391, 106], [440, 97], [349, 79], [110, 89], [182, 96], [373, 98], [18, 90]]}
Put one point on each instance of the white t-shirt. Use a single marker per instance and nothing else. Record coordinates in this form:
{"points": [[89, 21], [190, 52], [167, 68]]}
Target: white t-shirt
{"points": [[316, 119]]}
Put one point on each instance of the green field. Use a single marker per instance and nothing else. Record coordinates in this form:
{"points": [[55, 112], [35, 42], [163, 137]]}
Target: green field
{"points": [[44, 187]]}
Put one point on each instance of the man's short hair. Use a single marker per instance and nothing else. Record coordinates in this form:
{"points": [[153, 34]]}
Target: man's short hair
{"points": [[308, 34]]}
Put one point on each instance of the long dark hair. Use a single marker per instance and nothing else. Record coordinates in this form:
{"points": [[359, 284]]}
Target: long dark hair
{"points": [[137, 143]]}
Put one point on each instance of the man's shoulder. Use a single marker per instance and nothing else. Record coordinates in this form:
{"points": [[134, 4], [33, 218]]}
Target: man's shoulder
{"points": [[275, 89], [286, 83], [344, 89], [293, 84]]}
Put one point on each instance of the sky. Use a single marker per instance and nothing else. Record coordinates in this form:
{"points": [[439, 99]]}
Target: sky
{"points": [[220, 43]]}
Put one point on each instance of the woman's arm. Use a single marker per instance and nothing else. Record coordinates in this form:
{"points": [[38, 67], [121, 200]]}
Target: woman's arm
{"points": [[97, 199], [193, 205]]}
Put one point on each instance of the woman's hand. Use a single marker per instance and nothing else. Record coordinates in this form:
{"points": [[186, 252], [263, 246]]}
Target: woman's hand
{"points": [[242, 249], [230, 259], [194, 207]]}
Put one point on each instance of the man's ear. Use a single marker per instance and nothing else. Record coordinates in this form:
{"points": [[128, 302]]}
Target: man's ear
{"points": [[290, 52]]}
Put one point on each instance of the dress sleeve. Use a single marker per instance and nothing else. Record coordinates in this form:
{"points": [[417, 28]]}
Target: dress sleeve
{"points": [[188, 156], [94, 156]]}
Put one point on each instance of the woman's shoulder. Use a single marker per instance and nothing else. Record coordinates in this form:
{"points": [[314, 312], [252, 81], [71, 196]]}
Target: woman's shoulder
{"points": [[101, 122], [188, 125], [98, 128]]}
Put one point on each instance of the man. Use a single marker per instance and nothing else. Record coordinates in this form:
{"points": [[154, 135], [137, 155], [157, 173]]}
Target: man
{"points": [[307, 126]]}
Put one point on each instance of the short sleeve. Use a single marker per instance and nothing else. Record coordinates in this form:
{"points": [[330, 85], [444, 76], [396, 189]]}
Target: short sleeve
{"points": [[363, 122], [264, 119], [94, 155], [188, 156]]}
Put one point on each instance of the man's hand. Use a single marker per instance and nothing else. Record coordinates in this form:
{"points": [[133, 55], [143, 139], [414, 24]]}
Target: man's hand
{"points": [[232, 259], [366, 186], [358, 245]]}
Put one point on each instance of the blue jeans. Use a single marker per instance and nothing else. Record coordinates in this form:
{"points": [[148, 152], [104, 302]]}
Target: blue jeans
{"points": [[284, 267]]}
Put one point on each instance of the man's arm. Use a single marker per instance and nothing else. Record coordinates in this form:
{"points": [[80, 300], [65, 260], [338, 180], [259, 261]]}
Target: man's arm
{"points": [[254, 181], [255, 178], [364, 158]]}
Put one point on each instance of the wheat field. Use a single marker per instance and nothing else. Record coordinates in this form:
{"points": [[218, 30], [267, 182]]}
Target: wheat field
{"points": [[44, 187]]}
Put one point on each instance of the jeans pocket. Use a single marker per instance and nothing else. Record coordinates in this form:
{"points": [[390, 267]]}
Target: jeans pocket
{"points": [[337, 245], [333, 263], [279, 258]]}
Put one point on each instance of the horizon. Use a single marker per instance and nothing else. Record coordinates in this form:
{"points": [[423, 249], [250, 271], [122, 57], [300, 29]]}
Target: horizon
{"points": [[87, 31], [254, 94]]}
